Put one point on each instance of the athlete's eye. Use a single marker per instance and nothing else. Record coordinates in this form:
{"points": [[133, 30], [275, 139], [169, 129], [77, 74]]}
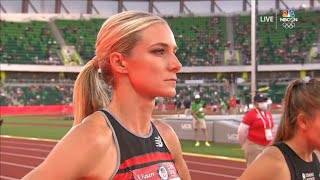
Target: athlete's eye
{"points": [[159, 51]]}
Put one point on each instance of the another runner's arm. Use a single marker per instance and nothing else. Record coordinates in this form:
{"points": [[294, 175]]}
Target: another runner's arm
{"points": [[174, 147], [76, 154]]}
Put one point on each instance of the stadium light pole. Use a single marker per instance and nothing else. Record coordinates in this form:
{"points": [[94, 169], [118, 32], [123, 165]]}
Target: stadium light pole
{"points": [[253, 50]]}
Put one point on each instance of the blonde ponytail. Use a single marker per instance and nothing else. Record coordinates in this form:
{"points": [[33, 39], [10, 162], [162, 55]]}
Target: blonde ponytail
{"points": [[89, 95]]}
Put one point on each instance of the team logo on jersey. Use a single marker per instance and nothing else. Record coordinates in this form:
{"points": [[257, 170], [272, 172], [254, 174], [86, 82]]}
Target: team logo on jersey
{"points": [[158, 141], [163, 173], [308, 176]]}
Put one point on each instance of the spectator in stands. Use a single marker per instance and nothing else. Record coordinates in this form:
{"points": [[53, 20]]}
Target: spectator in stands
{"points": [[223, 107], [135, 52], [233, 105], [187, 104], [161, 103], [177, 104], [256, 129], [291, 156], [199, 120], [1, 121], [214, 104]]}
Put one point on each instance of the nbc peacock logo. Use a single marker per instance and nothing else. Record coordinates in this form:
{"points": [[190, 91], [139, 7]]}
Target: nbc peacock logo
{"points": [[288, 19], [288, 13]]}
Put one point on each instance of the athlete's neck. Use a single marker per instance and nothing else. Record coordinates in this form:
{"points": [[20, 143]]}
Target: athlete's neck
{"points": [[133, 111], [300, 147]]}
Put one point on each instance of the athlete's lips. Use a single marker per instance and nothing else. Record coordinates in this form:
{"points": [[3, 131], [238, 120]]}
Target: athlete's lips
{"points": [[173, 79]]}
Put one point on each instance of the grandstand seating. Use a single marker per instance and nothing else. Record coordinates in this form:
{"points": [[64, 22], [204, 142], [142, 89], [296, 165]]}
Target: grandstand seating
{"points": [[40, 94], [37, 93], [279, 45], [277, 92], [81, 34], [4, 100], [289, 46], [219, 92], [207, 92], [200, 40], [241, 31], [27, 43]]}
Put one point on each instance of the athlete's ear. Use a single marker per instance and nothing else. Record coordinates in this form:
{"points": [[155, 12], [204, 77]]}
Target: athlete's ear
{"points": [[118, 63], [302, 121]]}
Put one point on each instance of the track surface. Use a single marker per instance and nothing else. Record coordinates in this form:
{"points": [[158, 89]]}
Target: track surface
{"points": [[20, 156]]}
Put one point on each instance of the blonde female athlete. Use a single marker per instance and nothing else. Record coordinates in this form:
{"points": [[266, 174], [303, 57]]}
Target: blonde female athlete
{"points": [[135, 52]]}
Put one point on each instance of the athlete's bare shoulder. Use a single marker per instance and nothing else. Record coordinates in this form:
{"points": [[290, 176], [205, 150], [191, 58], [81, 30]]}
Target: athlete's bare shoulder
{"points": [[79, 153], [270, 163], [169, 136], [95, 130], [164, 128], [103, 155]]}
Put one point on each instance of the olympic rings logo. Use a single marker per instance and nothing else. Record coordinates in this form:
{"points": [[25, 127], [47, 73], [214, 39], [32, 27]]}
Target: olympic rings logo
{"points": [[289, 25]]}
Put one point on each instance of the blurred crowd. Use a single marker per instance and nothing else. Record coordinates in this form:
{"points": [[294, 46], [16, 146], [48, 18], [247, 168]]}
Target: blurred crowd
{"points": [[202, 41]]}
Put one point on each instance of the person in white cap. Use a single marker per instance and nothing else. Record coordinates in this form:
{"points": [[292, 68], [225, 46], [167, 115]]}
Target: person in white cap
{"points": [[199, 120]]}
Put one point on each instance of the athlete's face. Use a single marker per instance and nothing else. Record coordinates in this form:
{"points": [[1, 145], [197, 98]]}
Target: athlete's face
{"points": [[152, 64], [313, 133]]}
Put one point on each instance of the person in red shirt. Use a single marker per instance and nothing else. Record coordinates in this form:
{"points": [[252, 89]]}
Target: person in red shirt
{"points": [[256, 129], [233, 105]]}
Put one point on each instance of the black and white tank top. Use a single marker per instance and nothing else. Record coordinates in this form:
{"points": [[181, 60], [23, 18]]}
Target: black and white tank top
{"points": [[141, 157]]}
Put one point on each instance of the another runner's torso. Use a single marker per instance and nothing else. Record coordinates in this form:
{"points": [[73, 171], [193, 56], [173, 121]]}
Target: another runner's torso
{"points": [[300, 169]]}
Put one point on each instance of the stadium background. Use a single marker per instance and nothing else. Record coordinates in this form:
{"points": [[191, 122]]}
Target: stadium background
{"points": [[44, 43]]}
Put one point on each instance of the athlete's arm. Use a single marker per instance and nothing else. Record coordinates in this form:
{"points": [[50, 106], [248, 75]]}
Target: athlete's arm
{"points": [[243, 133], [78, 153], [270, 164], [173, 144]]}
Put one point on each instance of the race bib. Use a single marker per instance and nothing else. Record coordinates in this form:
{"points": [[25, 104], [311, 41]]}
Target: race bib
{"points": [[162, 171], [269, 136]]}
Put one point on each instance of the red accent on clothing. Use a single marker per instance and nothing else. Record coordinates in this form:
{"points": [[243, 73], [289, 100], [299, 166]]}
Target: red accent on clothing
{"points": [[256, 132], [146, 158], [233, 102], [122, 176]]}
